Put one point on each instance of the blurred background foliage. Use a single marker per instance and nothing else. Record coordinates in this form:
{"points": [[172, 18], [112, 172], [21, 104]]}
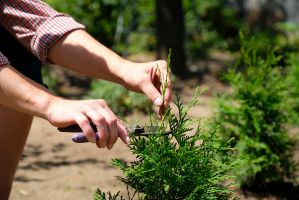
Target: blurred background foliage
{"points": [[128, 26], [120, 100], [124, 25]]}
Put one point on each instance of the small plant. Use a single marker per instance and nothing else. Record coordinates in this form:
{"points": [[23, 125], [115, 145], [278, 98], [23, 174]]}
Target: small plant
{"points": [[99, 195], [185, 164], [120, 100], [256, 114]]}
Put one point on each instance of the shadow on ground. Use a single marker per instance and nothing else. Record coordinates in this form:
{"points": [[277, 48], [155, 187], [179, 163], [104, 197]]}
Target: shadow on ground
{"points": [[36, 165], [25, 179], [278, 190]]}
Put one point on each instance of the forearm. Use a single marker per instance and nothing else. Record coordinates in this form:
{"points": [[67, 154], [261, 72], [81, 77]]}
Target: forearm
{"points": [[80, 52], [22, 94]]}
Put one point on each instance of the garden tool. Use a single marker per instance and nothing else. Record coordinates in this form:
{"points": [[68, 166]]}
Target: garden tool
{"points": [[137, 130]]}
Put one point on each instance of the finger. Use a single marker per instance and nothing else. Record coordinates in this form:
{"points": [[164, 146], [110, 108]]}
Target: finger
{"points": [[111, 121], [168, 93], [168, 89], [84, 124], [123, 133], [157, 77], [162, 71], [99, 120], [103, 133], [164, 81], [153, 94]]}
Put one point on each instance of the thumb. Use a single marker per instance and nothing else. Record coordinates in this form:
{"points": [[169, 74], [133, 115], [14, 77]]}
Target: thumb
{"points": [[153, 94]]}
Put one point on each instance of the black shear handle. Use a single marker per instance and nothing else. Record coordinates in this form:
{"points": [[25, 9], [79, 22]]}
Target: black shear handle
{"points": [[74, 128]]}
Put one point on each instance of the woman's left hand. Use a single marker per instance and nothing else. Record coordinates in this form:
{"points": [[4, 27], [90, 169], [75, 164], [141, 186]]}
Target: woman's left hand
{"points": [[149, 78]]}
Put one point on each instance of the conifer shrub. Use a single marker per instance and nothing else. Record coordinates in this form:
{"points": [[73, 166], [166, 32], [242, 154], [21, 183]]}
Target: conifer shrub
{"points": [[256, 114], [188, 163], [99, 195]]}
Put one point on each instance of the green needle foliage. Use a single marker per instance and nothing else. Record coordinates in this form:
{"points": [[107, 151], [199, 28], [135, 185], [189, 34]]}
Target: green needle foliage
{"points": [[166, 82], [99, 195], [256, 114], [185, 164]]}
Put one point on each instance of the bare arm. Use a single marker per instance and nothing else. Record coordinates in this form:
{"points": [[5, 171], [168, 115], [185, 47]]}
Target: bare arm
{"points": [[82, 53], [20, 93], [23, 94]]}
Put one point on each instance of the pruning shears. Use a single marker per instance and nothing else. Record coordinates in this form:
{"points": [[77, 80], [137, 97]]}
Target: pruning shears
{"points": [[137, 130]]}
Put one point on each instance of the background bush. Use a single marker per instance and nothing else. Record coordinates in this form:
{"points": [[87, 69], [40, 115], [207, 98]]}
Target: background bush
{"points": [[120, 100], [211, 24], [126, 25]]}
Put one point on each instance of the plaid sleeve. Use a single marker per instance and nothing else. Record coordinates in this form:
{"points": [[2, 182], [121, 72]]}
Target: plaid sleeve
{"points": [[3, 60], [35, 24]]}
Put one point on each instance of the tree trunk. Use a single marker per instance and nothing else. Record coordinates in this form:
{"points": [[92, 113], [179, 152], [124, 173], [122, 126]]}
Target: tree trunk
{"points": [[262, 15], [170, 31]]}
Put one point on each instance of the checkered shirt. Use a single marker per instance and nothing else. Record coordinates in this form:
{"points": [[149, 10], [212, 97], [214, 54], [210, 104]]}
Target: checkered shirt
{"points": [[35, 25]]}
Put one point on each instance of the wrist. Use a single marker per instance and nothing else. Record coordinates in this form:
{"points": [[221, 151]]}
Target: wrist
{"points": [[45, 106], [122, 73], [129, 75]]}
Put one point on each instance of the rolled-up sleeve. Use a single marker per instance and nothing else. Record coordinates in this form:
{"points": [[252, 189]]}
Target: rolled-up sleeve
{"points": [[35, 24], [3, 60]]}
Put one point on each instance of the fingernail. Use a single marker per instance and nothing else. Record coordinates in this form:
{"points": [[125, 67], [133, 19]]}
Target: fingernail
{"points": [[158, 101]]}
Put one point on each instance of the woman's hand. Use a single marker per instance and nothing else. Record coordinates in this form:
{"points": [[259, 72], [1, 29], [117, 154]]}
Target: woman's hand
{"points": [[62, 113], [149, 78]]}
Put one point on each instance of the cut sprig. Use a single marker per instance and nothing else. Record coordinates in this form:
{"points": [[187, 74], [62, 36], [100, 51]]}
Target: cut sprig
{"points": [[165, 81]]}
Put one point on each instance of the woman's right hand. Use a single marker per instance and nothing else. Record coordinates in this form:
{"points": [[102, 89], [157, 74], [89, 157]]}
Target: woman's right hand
{"points": [[62, 113]]}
